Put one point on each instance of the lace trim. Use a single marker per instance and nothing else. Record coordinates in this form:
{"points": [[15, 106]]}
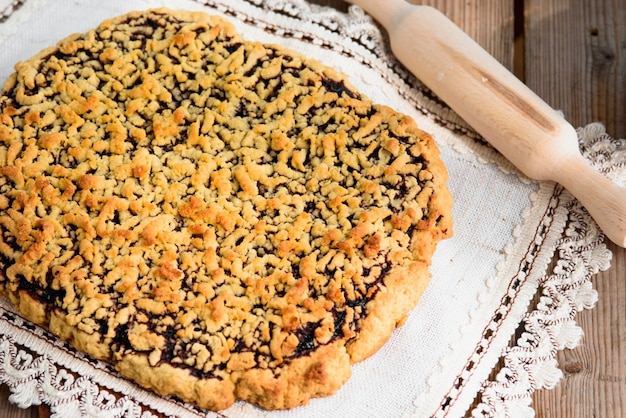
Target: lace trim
{"points": [[520, 290], [18, 11], [9, 9], [41, 381], [550, 326]]}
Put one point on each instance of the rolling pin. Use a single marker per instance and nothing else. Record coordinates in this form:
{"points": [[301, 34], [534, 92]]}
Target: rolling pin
{"points": [[502, 109]]}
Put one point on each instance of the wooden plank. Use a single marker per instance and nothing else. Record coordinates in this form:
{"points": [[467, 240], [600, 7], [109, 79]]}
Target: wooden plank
{"points": [[8, 410], [576, 60], [576, 55]]}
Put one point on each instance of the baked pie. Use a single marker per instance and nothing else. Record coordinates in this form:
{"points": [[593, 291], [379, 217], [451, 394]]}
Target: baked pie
{"points": [[220, 219]]}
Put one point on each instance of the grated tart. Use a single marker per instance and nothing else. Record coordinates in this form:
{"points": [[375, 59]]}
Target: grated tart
{"points": [[219, 218]]}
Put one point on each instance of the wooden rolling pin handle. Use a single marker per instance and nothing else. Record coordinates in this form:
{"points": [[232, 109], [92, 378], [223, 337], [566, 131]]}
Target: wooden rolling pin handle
{"points": [[518, 123]]}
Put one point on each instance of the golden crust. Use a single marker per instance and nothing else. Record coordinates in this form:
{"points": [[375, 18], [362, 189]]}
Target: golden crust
{"points": [[389, 310], [304, 378], [221, 219], [165, 379]]}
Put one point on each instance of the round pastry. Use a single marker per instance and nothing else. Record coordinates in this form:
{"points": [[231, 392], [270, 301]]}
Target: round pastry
{"points": [[220, 219]]}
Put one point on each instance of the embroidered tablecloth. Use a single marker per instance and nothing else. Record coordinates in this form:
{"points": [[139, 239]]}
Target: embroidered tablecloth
{"points": [[480, 308]]}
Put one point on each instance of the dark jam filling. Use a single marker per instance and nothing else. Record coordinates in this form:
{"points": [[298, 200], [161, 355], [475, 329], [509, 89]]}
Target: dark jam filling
{"points": [[338, 87], [176, 352], [48, 296], [306, 338]]}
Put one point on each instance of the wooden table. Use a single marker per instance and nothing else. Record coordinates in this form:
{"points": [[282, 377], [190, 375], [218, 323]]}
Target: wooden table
{"points": [[573, 54]]}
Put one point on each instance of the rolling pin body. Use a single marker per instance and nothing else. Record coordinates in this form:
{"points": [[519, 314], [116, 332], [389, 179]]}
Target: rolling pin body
{"points": [[518, 123]]}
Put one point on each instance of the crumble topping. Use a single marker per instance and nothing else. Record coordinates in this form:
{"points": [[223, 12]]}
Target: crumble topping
{"points": [[216, 204]]}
